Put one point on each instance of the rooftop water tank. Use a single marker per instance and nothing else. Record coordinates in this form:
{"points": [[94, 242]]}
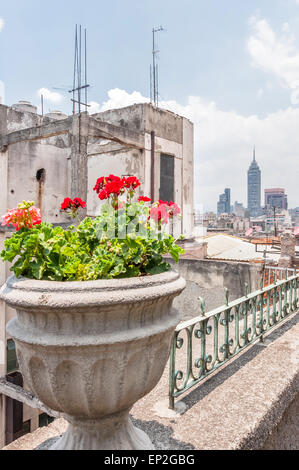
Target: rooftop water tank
{"points": [[25, 106], [55, 115]]}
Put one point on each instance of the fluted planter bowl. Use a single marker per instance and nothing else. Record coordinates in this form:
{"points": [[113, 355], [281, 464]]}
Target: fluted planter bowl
{"points": [[91, 349]]}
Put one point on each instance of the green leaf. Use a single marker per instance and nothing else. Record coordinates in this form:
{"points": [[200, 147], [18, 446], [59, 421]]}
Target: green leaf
{"points": [[38, 268], [161, 268]]}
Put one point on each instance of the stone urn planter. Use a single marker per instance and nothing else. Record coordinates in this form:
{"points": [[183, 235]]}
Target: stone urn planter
{"points": [[91, 349]]}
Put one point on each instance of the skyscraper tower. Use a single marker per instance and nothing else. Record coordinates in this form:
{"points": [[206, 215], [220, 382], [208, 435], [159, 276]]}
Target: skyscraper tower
{"points": [[223, 205], [254, 188]]}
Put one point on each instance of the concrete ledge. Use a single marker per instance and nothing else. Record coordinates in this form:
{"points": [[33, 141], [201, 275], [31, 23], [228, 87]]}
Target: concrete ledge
{"points": [[251, 403]]}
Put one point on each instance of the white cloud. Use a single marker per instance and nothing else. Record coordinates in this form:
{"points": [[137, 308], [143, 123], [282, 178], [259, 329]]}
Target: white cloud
{"points": [[1, 24], [273, 53], [120, 98], [51, 96], [224, 143], [94, 107], [117, 99]]}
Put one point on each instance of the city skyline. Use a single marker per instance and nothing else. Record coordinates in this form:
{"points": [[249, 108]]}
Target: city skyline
{"points": [[262, 192]]}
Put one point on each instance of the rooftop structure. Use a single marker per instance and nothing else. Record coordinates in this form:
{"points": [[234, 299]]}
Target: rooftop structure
{"points": [[228, 247]]}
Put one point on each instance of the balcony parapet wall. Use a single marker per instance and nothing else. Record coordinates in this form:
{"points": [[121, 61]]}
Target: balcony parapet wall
{"points": [[252, 403]]}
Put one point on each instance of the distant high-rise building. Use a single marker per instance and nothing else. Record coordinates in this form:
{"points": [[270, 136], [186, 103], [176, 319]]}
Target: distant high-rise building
{"points": [[239, 209], [254, 188], [227, 200], [223, 205], [276, 197]]}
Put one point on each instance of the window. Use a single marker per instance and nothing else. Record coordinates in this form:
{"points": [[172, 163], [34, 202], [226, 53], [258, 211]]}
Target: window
{"points": [[166, 177], [44, 420], [11, 360]]}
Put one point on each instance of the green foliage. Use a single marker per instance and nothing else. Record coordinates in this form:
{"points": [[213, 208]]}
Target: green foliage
{"points": [[87, 253]]}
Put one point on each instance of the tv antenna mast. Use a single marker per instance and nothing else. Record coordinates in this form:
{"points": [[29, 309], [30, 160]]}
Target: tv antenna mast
{"points": [[154, 79], [80, 88]]}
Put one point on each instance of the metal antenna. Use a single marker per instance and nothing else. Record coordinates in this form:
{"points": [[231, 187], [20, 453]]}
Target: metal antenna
{"points": [[77, 76], [154, 70], [85, 41], [151, 84], [157, 86], [42, 104]]}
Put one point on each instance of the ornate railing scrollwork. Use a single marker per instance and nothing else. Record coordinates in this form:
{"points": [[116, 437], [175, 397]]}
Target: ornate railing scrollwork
{"points": [[215, 337]]}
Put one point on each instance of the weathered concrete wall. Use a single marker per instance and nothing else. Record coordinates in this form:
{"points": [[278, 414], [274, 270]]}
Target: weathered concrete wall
{"points": [[25, 159], [285, 435], [17, 120], [165, 124], [211, 274], [14, 120], [207, 279], [122, 162], [132, 117], [144, 117], [288, 250], [188, 178], [174, 149], [173, 136]]}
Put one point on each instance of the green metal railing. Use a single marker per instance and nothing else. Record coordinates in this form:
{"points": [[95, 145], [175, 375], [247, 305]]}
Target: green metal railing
{"points": [[201, 345]]}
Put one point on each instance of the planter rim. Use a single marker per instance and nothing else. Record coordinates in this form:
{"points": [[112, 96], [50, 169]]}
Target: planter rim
{"points": [[24, 283], [56, 295]]}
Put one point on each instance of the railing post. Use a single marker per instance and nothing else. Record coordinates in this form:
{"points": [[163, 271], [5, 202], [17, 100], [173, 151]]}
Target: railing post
{"points": [[172, 371]]}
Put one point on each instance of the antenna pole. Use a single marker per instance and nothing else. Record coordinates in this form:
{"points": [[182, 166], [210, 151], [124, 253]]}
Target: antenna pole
{"points": [[77, 77], [74, 75], [85, 38], [151, 84], [154, 67], [154, 71], [157, 86]]}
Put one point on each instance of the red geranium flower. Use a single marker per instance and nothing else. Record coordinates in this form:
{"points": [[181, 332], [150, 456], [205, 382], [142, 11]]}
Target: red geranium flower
{"points": [[67, 203], [77, 202], [72, 205], [131, 182], [159, 213], [25, 215], [99, 184], [104, 181], [144, 199]]}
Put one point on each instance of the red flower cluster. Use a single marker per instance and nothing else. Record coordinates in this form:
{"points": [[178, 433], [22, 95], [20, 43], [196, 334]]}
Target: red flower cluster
{"points": [[131, 182], [114, 186], [72, 204], [144, 199], [25, 215], [163, 211]]}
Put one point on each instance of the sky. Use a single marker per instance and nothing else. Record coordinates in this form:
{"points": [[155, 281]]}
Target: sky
{"points": [[231, 67]]}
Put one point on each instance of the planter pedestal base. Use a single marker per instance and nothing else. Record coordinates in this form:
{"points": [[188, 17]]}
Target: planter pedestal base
{"points": [[91, 349], [115, 432]]}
